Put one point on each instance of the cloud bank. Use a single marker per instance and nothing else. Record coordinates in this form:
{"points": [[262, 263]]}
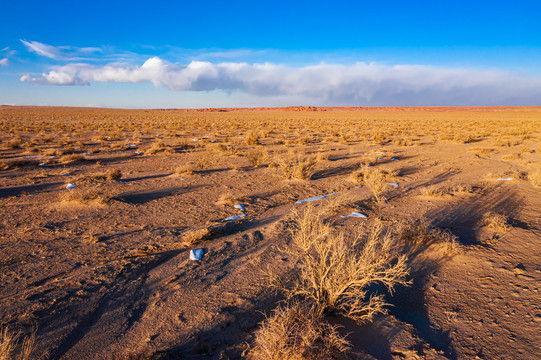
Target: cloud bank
{"points": [[324, 84]]}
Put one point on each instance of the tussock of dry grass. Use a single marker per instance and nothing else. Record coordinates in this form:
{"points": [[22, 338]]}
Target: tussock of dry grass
{"points": [[432, 191], [296, 166], [420, 233], [194, 237], [11, 349], [296, 332], [374, 178], [88, 196], [257, 157], [66, 159], [251, 138], [185, 170], [495, 222], [158, 147]]}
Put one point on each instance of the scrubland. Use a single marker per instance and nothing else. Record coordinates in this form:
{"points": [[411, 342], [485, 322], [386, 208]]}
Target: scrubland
{"points": [[421, 239]]}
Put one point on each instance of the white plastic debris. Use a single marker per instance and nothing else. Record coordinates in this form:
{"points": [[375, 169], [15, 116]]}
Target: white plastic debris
{"points": [[195, 140], [234, 217], [42, 164], [66, 174], [505, 179], [314, 198], [196, 254], [453, 173], [32, 156], [380, 159], [240, 207], [380, 152], [139, 153], [393, 184], [395, 159], [70, 186], [355, 214]]}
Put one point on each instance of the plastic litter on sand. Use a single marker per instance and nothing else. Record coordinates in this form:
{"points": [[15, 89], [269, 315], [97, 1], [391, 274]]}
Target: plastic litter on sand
{"points": [[314, 198], [196, 254], [393, 184], [234, 217], [505, 179], [70, 186], [355, 214], [240, 207]]}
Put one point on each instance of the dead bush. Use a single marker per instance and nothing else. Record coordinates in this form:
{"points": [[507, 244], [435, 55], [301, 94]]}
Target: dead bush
{"points": [[184, 170], [158, 147], [433, 191], [495, 222], [251, 138], [335, 270], [295, 332], [66, 159], [113, 174], [11, 348], [194, 237], [375, 179], [14, 143], [88, 196], [296, 166], [257, 157]]}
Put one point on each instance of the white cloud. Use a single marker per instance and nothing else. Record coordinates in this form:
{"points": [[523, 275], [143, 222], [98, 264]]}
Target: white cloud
{"points": [[325, 84], [63, 53], [4, 62]]}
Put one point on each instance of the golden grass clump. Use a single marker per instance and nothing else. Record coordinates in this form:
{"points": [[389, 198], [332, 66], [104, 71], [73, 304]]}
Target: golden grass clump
{"points": [[296, 332], [14, 143], [336, 270], [375, 179], [184, 170], [113, 174], [11, 349], [251, 138], [194, 237], [495, 222], [296, 166], [88, 196], [158, 147], [257, 157], [66, 159], [432, 191]]}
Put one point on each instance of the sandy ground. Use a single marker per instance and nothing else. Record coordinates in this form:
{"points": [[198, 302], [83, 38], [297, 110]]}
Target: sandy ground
{"points": [[114, 279]]}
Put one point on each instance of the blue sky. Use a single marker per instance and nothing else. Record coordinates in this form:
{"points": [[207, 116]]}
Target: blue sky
{"points": [[270, 53]]}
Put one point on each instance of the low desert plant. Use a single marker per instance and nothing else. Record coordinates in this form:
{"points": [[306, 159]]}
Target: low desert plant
{"points": [[14, 143], [296, 166], [375, 179], [88, 196], [193, 237], [11, 349], [495, 222], [158, 147], [113, 174], [295, 332], [257, 157], [336, 270], [432, 191], [184, 170], [251, 138], [66, 159]]}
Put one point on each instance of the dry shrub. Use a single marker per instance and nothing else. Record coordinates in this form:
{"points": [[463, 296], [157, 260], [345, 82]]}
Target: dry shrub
{"points": [[375, 179], [257, 157], [402, 141], [53, 152], [16, 164], [88, 196], [227, 199], [113, 174], [420, 233], [495, 222], [534, 177], [11, 349], [335, 270], [251, 138], [158, 147], [184, 170], [13, 143], [322, 156], [296, 166], [204, 160], [461, 189], [66, 159], [297, 332], [432, 191], [194, 237]]}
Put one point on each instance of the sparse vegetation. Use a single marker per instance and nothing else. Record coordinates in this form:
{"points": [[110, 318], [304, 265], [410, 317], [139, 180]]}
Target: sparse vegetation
{"points": [[296, 166], [297, 331], [495, 222]]}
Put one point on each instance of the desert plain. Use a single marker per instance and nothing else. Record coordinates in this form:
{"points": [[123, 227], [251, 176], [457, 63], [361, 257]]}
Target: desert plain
{"points": [[100, 209]]}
